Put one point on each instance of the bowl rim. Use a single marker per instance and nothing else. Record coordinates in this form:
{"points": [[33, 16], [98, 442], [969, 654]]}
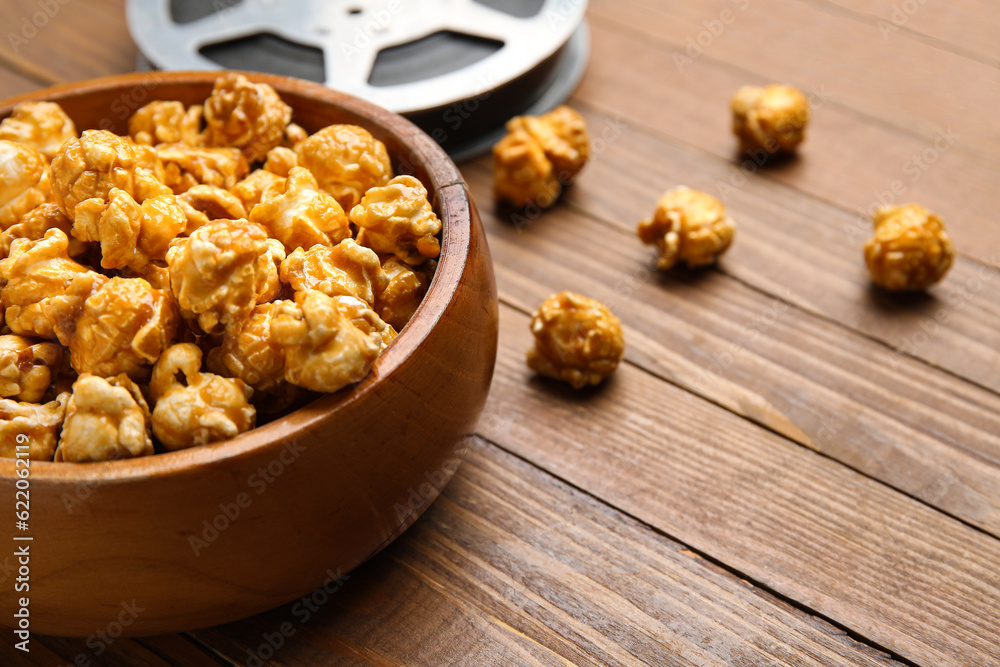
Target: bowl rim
{"points": [[453, 205]]}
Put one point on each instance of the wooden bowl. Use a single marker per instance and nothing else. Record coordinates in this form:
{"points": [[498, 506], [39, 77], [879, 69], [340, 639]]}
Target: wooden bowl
{"points": [[213, 534]]}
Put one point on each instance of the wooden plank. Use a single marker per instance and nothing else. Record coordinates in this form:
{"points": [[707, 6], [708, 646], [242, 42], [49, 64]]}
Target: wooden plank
{"points": [[910, 579], [847, 160], [793, 246], [110, 652], [12, 83], [969, 27], [911, 426], [495, 574], [59, 40], [805, 45]]}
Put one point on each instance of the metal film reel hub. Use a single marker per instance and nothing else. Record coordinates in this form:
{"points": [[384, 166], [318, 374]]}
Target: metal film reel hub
{"points": [[458, 68]]}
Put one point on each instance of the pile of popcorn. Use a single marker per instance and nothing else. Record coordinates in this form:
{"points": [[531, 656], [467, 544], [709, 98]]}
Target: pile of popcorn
{"points": [[162, 287]]}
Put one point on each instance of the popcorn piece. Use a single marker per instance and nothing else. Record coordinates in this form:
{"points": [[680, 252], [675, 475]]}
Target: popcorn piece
{"points": [[270, 264], [245, 115], [398, 219], [324, 350], [577, 340], [539, 155], [910, 250], [36, 426], [166, 123], [105, 420], [403, 292], [365, 319], [188, 166], [42, 125], [346, 269], [26, 367], [216, 274], [250, 353], [96, 163], [258, 186], [294, 135], [522, 175], [124, 328], [45, 289], [200, 408], [24, 181], [347, 161], [280, 161], [33, 226], [688, 226], [772, 118], [214, 203], [302, 215]]}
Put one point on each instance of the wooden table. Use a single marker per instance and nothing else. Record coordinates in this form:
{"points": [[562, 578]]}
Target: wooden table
{"points": [[791, 467]]}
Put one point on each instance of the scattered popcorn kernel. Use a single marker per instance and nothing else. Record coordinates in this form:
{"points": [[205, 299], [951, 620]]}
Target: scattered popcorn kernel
{"points": [[200, 408], [280, 161], [216, 274], [250, 353], [42, 125], [346, 269], [347, 161], [99, 161], [163, 122], [522, 175], [37, 425], [772, 118], [403, 292], [562, 135], [910, 250], [302, 215], [26, 367], [324, 350], [397, 219], [185, 167], [245, 115], [24, 181], [106, 419], [577, 340], [45, 289], [688, 226], [33, 226], [124, 328], [258, 186]]}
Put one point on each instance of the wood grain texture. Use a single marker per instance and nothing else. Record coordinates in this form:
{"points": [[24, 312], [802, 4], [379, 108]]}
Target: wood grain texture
{"points": [[839, 393], [848, 159], [511, 567], [900, 573]]}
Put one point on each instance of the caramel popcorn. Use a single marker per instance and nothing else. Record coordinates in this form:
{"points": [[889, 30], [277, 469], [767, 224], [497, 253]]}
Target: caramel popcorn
{"points": [[38, 426], [280, 161], [24, 181], [99, 161], [577, 340], [397, 219], [688, 226], [250, 353], [42, 125], [270, 264], [185, 167], [403, 292], [258, 186], [302, 215], [324, 350], [214, 203], [45, 289], [910, 250], [346, 269], [772, 118], [33, 226], [367, 321], [245, 115], [26, 367], [538, 156], [166, 123], [294, 135], [216, 274], [124, 328], [347, 161], [200, 408], [522, 175], [106, 419]]}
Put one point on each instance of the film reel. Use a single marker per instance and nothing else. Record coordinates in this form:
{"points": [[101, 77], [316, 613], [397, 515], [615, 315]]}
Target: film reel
{"points": [[458, 68]]}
